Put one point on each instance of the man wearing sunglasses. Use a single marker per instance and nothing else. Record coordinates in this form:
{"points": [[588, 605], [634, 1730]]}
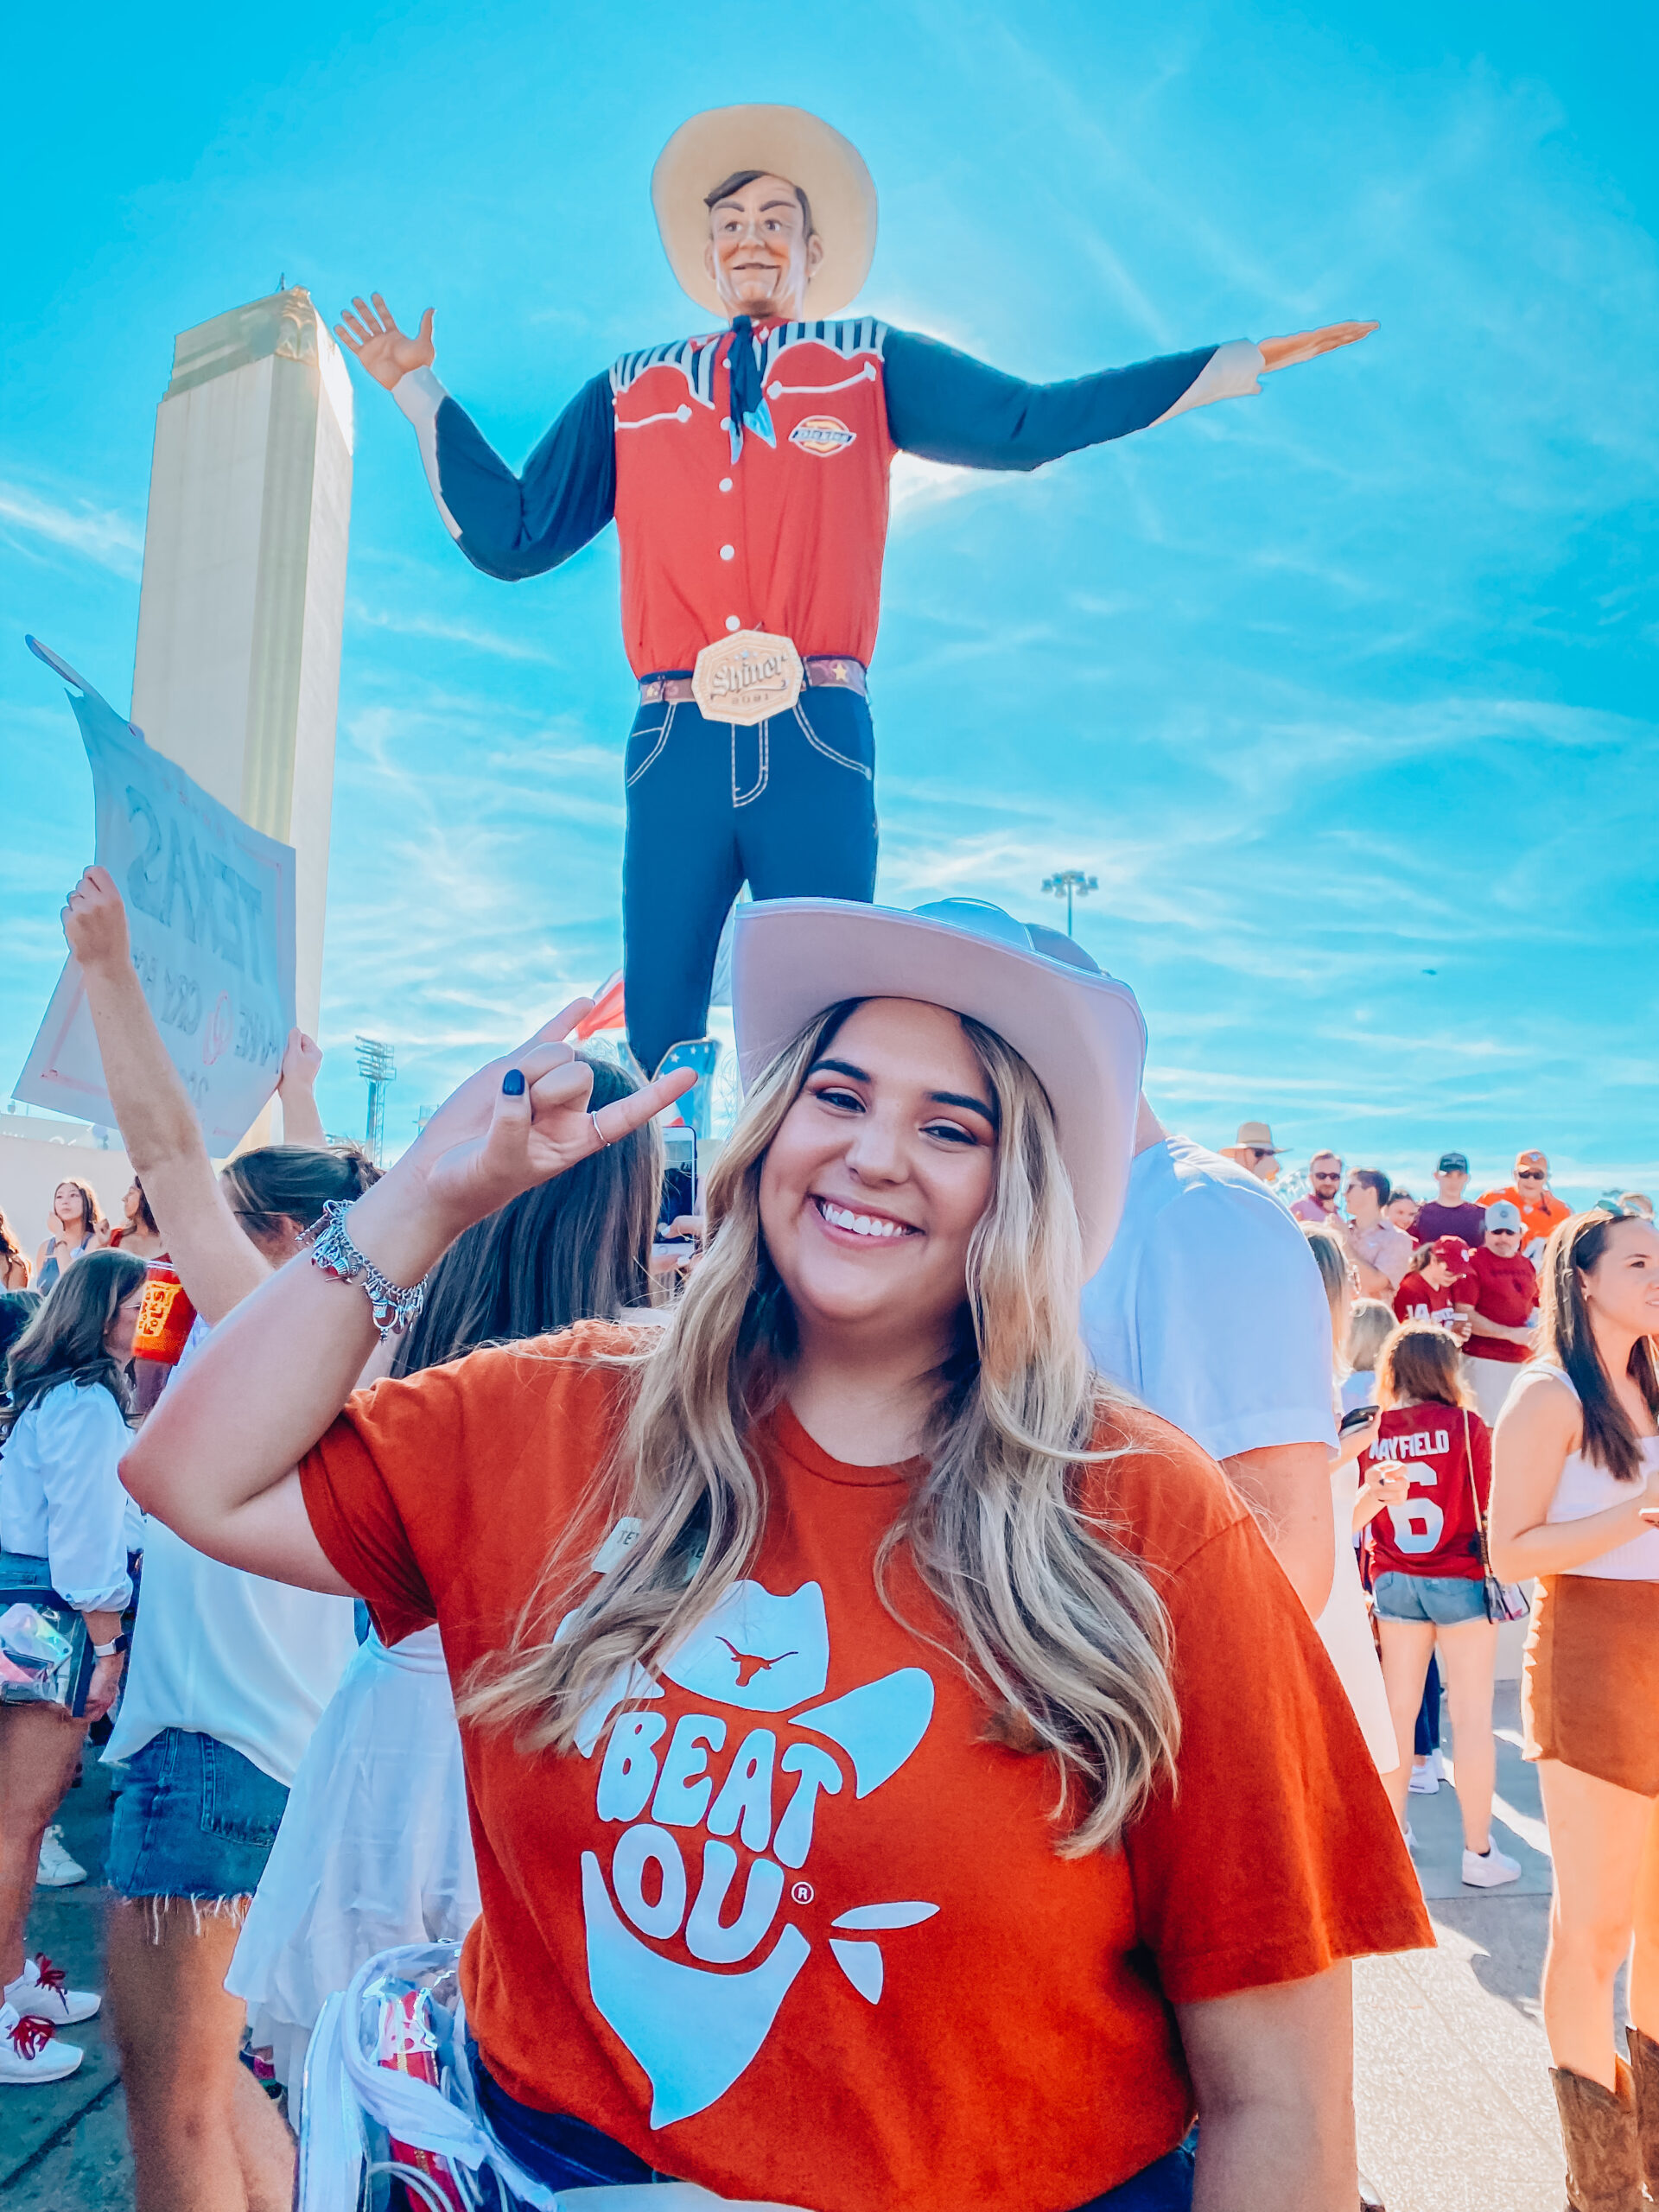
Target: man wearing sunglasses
{"points": [[1318, 1208], [1539, 1207]]}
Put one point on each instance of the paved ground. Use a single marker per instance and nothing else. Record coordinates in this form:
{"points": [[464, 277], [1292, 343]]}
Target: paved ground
{"points": [[64, 2149], [1451, 2074], [1455, 2111]]}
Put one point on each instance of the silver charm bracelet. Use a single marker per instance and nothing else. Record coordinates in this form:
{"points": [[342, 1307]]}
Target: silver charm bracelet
{"points": [[332, 1250]]}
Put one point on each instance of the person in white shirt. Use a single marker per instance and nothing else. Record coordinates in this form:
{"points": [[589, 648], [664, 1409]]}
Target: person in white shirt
{"points": [[229, 1671], [1210, 1306], [374, 1849], [61, 1501]]}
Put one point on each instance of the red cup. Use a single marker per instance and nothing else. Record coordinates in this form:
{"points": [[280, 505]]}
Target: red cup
{"points": [[165, 1317]]}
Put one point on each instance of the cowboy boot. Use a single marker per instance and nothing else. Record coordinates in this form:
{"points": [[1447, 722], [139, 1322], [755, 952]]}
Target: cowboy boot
{"points": [[1645, 2065], [1604, 2170]]}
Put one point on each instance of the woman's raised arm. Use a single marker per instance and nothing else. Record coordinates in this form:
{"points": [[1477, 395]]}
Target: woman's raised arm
{"points": [[217, 1459], [216, 1262]]}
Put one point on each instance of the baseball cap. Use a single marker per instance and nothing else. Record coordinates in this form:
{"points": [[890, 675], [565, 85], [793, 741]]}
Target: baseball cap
{"points": [[1454, 1163], [1503, 1213], [1531, 1159], [1453, 1251]]}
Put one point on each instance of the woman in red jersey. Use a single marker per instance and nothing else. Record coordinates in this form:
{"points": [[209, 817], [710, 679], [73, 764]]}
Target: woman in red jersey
{"points": [[1426, 1483]]}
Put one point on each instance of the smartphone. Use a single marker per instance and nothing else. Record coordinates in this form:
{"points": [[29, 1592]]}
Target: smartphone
{"points": [[679, 1180], [1356, 1419]]}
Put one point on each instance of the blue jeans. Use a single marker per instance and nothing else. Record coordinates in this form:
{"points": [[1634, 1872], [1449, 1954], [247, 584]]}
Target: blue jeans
{"points": [[565, 2153], [195, 1819], [1446, 1600], [788, 804]]}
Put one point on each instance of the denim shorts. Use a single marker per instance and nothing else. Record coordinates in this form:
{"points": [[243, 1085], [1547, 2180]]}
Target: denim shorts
{"points": [[1444, 1600], [195, 1819]]}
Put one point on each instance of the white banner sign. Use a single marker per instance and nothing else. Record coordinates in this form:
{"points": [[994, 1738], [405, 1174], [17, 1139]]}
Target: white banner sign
{"points": [[210, 905]]}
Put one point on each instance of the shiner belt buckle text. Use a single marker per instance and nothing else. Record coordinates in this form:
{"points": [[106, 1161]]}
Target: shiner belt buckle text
{"points": [[746, 677]]}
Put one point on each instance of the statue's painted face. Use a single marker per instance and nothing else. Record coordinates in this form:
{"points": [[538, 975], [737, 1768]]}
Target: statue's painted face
{"points": [[760, 253]]}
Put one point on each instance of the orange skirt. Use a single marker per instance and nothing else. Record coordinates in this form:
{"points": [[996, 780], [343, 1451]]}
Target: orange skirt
{"points": [[1590, 1681]]}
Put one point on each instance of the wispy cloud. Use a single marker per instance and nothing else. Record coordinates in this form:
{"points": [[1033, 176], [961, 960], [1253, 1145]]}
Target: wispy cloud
{"points": [[448, 632], [97, 534]]}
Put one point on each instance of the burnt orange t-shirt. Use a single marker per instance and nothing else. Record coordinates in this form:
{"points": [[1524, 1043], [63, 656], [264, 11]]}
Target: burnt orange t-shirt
{"points": [[793, 1928]]}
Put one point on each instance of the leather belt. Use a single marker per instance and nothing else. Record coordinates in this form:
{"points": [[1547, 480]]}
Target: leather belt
{"points": [[838, 670]]}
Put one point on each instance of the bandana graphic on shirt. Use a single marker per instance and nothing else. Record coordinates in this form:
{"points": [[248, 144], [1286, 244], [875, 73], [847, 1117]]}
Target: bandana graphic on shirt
{"points": [[677, 1795]]}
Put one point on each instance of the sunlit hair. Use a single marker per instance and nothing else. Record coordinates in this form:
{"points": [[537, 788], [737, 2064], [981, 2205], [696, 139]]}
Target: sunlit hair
{"points": [[91, 1214], [11, 1252], [1332, 1263], [275, 1184], [1369, 1325], [1566, 1335], [1062, 1632], [1420, 1360], [64, 1339]]}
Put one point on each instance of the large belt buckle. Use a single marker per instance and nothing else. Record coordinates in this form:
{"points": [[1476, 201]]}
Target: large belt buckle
{"points": [[747, 677]]}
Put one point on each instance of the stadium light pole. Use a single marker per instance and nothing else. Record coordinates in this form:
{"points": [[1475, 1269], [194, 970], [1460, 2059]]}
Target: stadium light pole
{"points": [[378, 1065], [1071, 882]]}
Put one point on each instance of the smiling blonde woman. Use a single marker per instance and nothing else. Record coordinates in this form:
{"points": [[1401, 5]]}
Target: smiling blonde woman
{"points": [[867, 1813]]}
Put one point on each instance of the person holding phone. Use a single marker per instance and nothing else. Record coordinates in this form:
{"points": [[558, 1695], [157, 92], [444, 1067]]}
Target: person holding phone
{"points": [[1424, 1481]]}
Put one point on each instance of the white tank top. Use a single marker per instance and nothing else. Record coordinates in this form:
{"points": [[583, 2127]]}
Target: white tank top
{"points": [[1585, 1488]]}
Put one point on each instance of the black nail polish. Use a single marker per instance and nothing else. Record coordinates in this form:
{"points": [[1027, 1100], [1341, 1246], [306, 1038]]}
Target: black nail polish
{"points": [[513, 1082]]}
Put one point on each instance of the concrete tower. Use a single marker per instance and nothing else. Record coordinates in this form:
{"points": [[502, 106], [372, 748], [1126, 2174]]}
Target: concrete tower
{"points": [[238, 671]]}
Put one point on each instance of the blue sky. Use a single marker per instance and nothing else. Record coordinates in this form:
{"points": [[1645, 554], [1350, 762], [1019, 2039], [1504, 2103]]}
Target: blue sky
{"points": [[1345, 693]]}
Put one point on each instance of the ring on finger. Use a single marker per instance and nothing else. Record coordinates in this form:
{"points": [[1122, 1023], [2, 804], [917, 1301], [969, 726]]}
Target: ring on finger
{"points": [[600, 1136]]}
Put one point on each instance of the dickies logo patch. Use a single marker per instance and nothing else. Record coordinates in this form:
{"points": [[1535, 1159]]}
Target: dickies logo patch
{"points": [[822, 434]]}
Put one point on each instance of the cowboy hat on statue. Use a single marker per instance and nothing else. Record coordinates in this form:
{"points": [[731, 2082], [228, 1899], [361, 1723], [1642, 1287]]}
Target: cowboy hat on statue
{"points": [[745, 469]]}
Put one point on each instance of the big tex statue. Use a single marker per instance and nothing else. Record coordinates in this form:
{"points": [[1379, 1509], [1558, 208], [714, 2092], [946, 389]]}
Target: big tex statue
{"points": [[747, 472]]}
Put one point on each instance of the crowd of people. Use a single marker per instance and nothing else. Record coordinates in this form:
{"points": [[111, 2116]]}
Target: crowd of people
{"points": [[779, 1671]]}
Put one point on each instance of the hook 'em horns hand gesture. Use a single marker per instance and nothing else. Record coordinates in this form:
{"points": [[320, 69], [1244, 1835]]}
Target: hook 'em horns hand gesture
{"points": [[523, 1120]]}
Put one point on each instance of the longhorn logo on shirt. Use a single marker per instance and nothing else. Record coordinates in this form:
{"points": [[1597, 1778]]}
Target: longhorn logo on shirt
{"points": [[822, 434], [674, 1877]]}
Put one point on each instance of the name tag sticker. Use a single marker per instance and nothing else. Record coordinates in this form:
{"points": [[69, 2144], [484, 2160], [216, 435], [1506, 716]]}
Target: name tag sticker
{"points": [[617, 1546], [747, 678]]}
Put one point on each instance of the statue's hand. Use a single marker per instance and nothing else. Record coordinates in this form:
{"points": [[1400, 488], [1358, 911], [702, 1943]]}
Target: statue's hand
{"points": [[1285, 353], [384, 350]]}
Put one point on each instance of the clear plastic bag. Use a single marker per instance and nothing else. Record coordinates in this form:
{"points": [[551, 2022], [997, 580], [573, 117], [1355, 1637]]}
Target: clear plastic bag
{"points": [[389, 2118], [41, 1655]]}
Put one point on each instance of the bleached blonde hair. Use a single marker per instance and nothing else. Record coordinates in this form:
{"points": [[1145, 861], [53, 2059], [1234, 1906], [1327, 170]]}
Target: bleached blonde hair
{"points": [[1061, 1629]]}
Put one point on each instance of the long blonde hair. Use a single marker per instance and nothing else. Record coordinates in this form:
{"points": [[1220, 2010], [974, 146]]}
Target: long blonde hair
{"points": [[1062, 1631]]}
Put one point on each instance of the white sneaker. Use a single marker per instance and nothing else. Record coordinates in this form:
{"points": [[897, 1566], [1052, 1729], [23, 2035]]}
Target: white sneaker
{"points": [[1411, 1840], [1425, 1779], [57, 1870], [1489, 1869], [29, 2053], [40, 1990]]}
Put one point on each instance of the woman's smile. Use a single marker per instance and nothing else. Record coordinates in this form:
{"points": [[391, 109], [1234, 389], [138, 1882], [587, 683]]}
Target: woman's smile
{"points": [[858, 1224]]}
